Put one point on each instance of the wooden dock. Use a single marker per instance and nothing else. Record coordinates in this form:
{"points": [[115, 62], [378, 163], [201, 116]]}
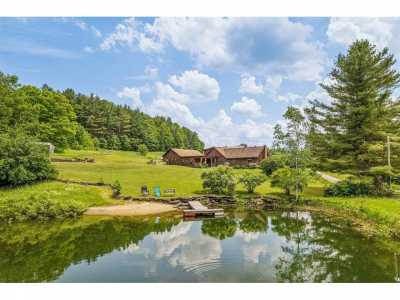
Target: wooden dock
{"points": [[198, 209]]}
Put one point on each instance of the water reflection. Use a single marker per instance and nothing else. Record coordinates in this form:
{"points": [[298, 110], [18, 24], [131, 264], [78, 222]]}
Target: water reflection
{"points": [[243, 246]]}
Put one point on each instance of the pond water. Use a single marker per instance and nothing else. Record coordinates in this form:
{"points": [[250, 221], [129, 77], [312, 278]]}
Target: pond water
{"points": [[243, 246]]}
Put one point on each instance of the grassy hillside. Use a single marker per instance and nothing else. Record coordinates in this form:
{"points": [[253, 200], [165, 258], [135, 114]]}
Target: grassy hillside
{"points": [[133, 170]]}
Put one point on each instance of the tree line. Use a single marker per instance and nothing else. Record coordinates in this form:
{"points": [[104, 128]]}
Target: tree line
{"points": [[69, 119]]}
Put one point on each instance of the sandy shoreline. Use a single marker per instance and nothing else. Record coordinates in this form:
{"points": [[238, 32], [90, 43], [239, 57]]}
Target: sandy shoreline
{"points": [[131, 209]]}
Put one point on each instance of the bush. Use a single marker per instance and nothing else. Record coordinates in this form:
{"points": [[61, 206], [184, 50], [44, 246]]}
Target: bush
{"points": [[348, 188], [143, 150], [268, 166], [23, 161], [287, 179], [116, 188], [38, 208], [219, 181], [251, 181]]}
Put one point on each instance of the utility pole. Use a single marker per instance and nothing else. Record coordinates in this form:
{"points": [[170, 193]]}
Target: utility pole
{"points": [[388, 158]]}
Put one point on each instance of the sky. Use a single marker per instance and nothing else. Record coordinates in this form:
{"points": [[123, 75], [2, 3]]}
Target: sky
{"points": [[229, 79]]}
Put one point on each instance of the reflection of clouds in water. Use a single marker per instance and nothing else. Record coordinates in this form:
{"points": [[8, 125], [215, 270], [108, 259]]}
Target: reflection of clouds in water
{"points": [[248, 236], [200, 250], [167, 242], [269, 245], [195, 251], [252, 253]]}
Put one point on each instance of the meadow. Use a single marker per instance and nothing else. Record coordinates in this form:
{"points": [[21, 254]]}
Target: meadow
{"points": [[133, 170]]}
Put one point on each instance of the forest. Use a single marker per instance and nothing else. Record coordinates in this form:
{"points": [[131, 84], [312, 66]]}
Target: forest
{"points": [[69, 119]]}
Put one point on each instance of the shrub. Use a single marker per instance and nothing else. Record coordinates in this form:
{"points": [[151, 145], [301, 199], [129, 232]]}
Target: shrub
{"points": [[219, 181], [23, 161], [143, 150], [287, 179], [251, 181], [269, 166], [348, 188], [116, 188], [38, 208]]}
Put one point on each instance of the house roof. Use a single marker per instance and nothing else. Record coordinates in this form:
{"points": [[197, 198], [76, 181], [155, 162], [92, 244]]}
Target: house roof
{"points": [[240, 152], [186, 152]]}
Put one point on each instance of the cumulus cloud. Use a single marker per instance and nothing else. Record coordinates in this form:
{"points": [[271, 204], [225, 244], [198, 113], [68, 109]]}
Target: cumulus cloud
{"points": [[170, 103], [133, 94], [130, 33], [248, 85], [222, 130], [381, 31], [247, 106], [198, 86], [238, 43]]}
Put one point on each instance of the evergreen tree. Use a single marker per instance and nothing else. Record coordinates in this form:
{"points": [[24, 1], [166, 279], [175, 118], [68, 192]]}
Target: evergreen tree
{"points": [[351, 132]]}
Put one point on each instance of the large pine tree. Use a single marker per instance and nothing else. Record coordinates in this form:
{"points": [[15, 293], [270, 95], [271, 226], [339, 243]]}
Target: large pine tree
{"points": [[350, 133]]}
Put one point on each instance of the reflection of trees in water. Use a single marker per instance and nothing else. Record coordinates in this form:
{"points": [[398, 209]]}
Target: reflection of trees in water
{"points": [[220, 228], [325, 250], [254, 222], [41, 252]]}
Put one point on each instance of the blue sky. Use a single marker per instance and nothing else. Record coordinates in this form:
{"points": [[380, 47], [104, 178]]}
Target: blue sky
{"points": [[230, 79]]}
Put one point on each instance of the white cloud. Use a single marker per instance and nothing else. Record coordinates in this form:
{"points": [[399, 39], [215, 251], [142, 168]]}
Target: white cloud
{"points": [[263, 45], [133, 94], [289, 97], [198, 86], [248, 107], [170, 103], [85, 27], [248, 85], [222, 130], [273, 83], [150, 73], [381, 31], [129, 33]]}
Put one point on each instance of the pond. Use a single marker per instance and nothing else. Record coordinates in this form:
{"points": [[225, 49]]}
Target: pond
{"points": [[243, 246]]}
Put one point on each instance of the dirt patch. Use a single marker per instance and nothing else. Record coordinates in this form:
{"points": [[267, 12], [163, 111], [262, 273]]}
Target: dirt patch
{"points": [[131, 209]]}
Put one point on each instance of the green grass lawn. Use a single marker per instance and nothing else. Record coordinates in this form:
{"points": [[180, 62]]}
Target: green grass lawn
{"points": [[132, 171], [50, 200], [87, 195]]}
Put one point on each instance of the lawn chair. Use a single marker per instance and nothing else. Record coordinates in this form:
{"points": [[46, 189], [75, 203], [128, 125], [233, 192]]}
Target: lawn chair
{"points": [[169, 192], [144, 190], [157, 191]]}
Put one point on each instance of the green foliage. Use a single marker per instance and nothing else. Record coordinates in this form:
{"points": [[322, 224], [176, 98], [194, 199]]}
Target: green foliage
{"points": [[142, 149], [350, 133], [219, 228], [294, 153], [38, 208], [70, 120], [116, 188], [289, 179], [251, 181], [119, 127], [22, 161], [348, 188], [269, 166], [219, 181]]}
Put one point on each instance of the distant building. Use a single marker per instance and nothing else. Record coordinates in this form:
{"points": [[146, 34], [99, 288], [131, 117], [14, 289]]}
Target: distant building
{"points": [[235, 156], [183, 157], [49, 146]]}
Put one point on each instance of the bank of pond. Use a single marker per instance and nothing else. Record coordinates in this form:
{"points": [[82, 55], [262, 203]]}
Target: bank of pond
{"points": [[245, 245]]}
